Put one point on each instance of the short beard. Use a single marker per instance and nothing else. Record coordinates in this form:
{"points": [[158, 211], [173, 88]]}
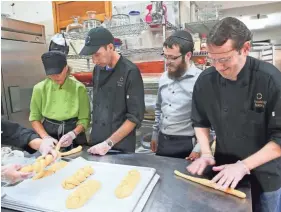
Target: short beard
{"points": [[181, 69]]}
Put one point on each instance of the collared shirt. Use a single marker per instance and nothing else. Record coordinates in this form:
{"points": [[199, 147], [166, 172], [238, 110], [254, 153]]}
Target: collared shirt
{"points": [[60, 103], [245, 114], [173, 105]]}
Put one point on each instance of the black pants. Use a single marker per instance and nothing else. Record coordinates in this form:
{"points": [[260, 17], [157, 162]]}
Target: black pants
{"points": [[176, 146], [57, 129]]}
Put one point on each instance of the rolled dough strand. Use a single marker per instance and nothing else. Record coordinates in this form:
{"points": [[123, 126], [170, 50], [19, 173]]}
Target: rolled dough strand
{"points": [[48, 159], [58, 147], [82, 194], [210, 184], [41, 165], [128, 184], [40, 158], [40, 169], [33, 167], [73, 151], [52, 170]]}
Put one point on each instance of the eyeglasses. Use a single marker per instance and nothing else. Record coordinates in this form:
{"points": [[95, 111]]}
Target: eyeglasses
{"points": [[220, 60], [223, 60], [171, 59]]}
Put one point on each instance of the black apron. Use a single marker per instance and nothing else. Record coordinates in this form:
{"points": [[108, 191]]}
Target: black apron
{"points": [[57, 129], [174, 145], [109, 108]]}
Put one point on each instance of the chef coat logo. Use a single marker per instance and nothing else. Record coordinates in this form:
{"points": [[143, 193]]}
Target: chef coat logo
{"points": [[120, 82], [88, 40], [259, 102]]}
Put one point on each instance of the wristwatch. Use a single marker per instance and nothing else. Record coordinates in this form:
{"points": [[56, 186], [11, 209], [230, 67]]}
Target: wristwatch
{"points": [[110, 143]]}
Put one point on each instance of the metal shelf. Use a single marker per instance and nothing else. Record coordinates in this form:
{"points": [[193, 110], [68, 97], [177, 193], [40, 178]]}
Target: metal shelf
{"points": [[75, 57], [125, 53], [76, 36], [131, 29], [265, 50], [200, 27], [129, 52], [142, 51], [202, 53], [171, 26]]}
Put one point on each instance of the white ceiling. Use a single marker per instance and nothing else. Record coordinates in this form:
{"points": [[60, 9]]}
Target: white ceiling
{"points": [[231, 4], [244, 10]]}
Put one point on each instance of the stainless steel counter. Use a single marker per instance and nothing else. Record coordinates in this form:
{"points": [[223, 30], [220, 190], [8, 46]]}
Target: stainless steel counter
{"points": [[171, 193]]}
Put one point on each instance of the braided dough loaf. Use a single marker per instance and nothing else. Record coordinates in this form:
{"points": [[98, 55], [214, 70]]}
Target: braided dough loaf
{"points": [[40, 164], [76, 179], [82, 194], [128, 184]]}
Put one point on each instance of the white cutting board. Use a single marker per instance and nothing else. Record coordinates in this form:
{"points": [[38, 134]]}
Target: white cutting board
{"points": [[48, 193]]}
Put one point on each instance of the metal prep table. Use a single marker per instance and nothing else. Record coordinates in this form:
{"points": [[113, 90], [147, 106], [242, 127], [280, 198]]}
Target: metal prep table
{"points": [[171, 193]]}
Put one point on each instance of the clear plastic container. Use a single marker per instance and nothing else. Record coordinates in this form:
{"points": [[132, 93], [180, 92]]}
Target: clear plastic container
{"points": [[133, 42], [119, 20], [134, 17], [204, 42], [92, 22], [197, 42], [91, 14], [147, 38], [158, 40], [74, 27]]}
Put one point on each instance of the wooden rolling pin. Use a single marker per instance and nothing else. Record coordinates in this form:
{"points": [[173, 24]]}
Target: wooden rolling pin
{"points": [[210, 184]]}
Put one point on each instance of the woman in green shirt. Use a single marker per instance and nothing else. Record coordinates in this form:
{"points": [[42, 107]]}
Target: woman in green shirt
{"points": [[59, 108]]}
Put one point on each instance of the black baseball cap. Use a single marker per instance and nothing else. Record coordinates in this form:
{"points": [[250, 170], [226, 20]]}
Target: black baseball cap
{"points": [[96, 38], [54, 62]]}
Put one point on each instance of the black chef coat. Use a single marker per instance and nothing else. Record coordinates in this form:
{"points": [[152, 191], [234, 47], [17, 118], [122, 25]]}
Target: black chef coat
{"points": [[245, 114], [120, 96], [15, 135]]}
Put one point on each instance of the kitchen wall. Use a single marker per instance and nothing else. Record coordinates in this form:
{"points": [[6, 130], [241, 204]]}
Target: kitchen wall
{"points": [[270, 33], [39, 12], [272, 10]]}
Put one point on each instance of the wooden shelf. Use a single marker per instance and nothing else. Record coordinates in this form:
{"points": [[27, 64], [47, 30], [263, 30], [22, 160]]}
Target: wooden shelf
{"points": [[63, 11]]}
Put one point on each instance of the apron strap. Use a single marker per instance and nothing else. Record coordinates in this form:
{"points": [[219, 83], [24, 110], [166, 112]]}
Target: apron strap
{"points": [[60, 125]]}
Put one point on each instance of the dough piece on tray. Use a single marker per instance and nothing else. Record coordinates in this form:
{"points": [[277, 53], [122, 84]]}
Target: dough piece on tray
{"points": [[82, 194], [77, 178], [128, 184], [57, 166]]}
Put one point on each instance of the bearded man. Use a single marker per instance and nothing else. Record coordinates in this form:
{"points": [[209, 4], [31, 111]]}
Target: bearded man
{"points": [[173, 134]]}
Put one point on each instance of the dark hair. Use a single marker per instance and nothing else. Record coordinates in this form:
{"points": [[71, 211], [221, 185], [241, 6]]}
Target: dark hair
{"points": [[229, 28], [182, 39], [105, 46]]}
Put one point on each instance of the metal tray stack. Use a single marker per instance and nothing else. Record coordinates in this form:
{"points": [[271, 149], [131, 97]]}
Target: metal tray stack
{"points": [[6, 202]]}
